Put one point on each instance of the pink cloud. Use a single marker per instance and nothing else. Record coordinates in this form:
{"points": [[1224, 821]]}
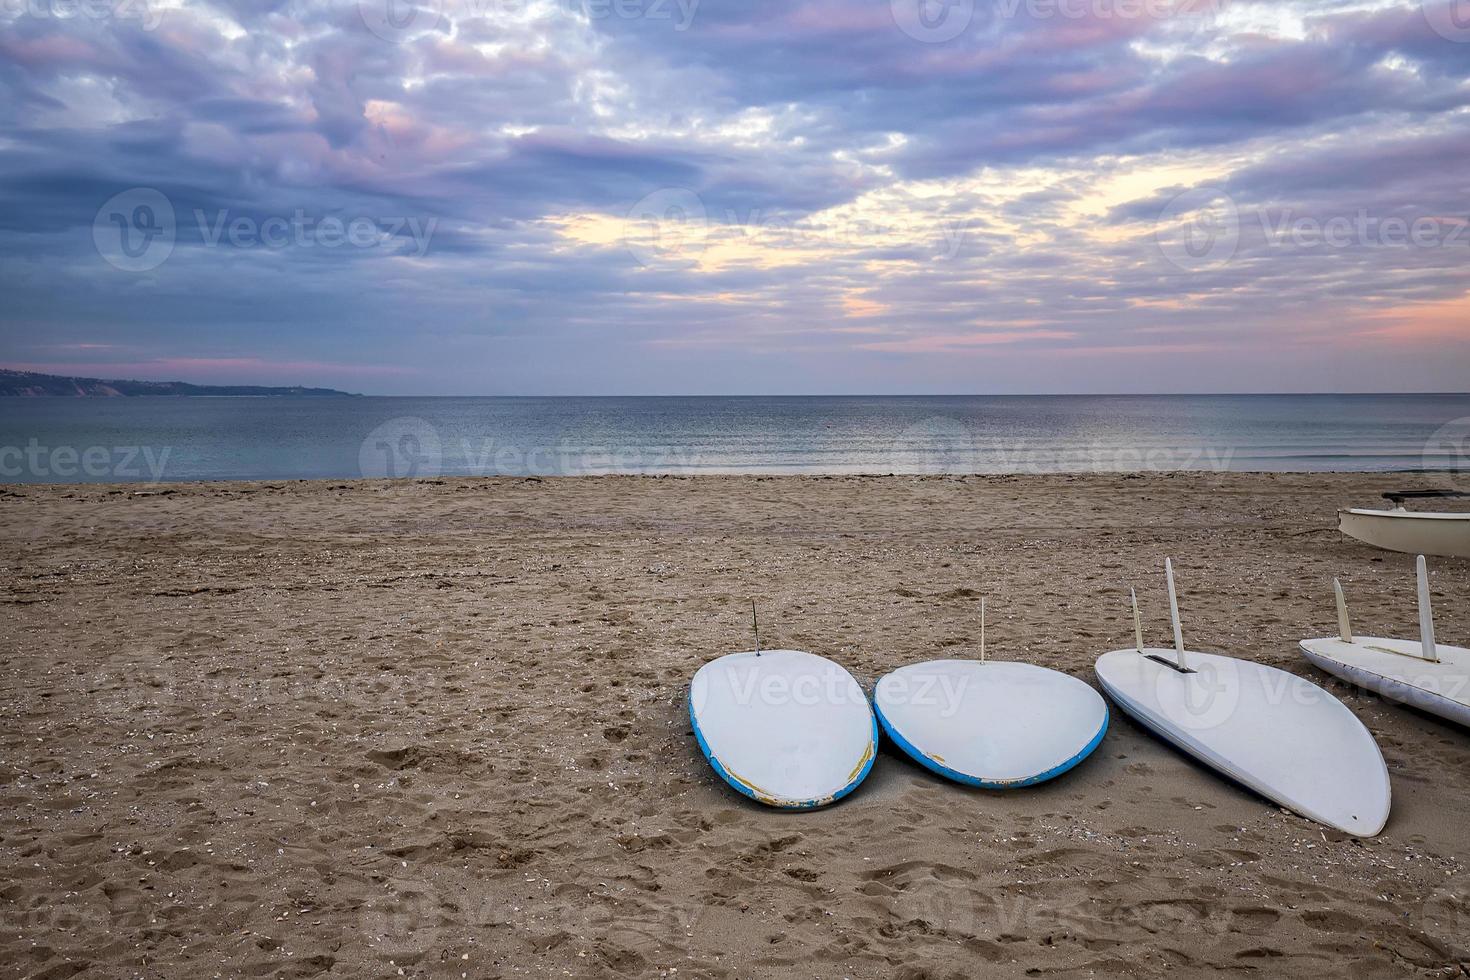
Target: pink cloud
{"points": [[1442, 320], [50, 50], [943, 343]]}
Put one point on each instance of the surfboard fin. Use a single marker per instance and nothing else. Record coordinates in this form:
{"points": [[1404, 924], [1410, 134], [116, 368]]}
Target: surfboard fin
{"points": [[1137, 621], [982, 629], [1174, 615], [1426, 615], [1344, 628]]}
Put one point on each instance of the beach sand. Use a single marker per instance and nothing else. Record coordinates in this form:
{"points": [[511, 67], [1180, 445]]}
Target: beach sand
{"points": [[440, 729]]}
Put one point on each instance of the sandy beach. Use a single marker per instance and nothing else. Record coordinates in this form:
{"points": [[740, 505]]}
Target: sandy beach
{"points": [[439, 729]]}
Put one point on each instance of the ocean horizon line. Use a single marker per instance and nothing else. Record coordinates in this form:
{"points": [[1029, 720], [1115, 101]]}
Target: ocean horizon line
{"points": [[852, 395], [952, 394]]}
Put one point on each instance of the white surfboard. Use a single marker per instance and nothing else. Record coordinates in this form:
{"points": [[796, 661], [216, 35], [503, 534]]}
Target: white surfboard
{"points": [[786, 728], [1421, 673], [996, 725], [1271, 731], [991, 724]]}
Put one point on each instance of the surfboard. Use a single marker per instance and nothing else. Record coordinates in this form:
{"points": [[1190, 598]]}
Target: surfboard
{"points": [[1269, 730], [1421, 673], [1397, 670], [789, 729], [1276, 733], [995, 725]]}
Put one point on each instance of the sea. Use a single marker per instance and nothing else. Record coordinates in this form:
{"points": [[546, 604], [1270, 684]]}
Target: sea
{"points": [[163, 439]]}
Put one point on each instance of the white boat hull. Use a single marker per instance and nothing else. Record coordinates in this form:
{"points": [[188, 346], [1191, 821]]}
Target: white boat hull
{"points": [[1271, 731], [1397, 670], [995, 725], [1411, 532]]}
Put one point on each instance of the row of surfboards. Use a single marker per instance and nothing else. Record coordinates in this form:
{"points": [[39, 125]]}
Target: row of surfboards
{"points": [[797, 731]]}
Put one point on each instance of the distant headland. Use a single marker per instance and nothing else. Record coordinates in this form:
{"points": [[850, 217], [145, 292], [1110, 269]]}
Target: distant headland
{"points": [[32, 384]]}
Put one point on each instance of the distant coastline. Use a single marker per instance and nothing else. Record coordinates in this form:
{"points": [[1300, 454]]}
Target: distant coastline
{"points": [[31, 384]]}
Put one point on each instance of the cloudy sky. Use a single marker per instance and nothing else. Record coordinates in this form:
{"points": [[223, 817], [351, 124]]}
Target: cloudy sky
{"points": [[748, 196]]}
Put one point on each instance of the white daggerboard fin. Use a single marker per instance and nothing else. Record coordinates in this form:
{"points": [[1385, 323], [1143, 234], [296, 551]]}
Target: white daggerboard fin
{"points": [[1397, 670], [1426, 615], [790, 729], [1273, 732], [993, 724]]}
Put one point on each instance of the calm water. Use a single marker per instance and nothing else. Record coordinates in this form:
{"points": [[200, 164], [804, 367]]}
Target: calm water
{"points": [[146, 439]]}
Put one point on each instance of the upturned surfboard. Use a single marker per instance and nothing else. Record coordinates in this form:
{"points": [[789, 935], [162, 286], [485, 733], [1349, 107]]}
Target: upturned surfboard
{"points": [[1423, 674], [1271, 731], [789, 729], [991, 724]]}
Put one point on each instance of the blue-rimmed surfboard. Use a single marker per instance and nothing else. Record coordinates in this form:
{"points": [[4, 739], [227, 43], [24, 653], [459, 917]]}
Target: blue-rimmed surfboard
{"points": [[786, 728], [988, 723]]}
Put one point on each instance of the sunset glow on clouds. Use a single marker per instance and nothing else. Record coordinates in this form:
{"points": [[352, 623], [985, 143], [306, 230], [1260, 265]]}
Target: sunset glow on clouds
{"points": [[567, 196]]}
